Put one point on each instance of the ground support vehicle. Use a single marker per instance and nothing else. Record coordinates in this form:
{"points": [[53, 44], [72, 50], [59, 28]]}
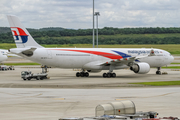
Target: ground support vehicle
{"points": [[27, 75], [122, 110], [11, 68], [5, 68]]}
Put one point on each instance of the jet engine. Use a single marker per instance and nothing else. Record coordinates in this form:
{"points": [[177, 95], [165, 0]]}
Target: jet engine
{"points": [[140, 68], [94, 71]]}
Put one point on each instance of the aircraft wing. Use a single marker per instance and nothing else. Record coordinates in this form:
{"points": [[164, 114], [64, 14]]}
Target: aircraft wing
{"points": [[123, 61], [128, 59]]}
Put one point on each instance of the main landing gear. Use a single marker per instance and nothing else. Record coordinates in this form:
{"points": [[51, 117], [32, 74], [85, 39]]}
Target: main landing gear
{"points": [[158, 72], [108, 75], [82, 74]]}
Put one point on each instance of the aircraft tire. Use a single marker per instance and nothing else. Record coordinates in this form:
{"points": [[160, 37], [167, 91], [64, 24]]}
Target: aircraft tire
{"points": [[104, 75], [158, 72], [113, 75], [108, 75], [82, 74], [77, 74], [87, 74]]}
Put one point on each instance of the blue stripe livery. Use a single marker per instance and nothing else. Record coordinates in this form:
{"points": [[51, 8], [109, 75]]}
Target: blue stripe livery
{"points": [[123, 55]]}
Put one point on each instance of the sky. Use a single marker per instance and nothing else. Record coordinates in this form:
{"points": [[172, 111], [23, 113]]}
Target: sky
{"points": [[78, 14]]}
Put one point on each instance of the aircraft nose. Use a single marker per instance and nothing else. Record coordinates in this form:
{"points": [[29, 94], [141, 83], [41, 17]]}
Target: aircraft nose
{"points": [[171, 59]]}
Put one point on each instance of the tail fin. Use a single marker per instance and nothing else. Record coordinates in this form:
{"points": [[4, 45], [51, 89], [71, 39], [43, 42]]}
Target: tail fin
{"points": [[21, 36]]}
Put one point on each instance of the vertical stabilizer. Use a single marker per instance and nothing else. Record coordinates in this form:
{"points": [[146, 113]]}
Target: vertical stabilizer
{"points": [[21, 36]]}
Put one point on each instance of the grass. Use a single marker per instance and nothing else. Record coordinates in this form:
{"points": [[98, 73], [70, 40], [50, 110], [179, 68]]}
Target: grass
{"points": [[172, 48], [7, 45], [16, 64], [175, 63], [171, 67], [163, 83]]}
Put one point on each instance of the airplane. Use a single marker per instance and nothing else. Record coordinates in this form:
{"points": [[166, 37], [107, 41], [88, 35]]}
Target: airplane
{"points": [[88, 60], [3, 55]]}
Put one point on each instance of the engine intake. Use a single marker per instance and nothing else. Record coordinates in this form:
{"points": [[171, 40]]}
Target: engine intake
{"points": [[141, 68]]}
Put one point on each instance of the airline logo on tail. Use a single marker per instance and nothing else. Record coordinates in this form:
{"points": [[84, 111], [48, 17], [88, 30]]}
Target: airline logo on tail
{"points": [[19, 35]]}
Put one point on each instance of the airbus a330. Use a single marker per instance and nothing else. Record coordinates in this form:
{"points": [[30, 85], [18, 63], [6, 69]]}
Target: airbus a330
{"points": [[88, 59]]}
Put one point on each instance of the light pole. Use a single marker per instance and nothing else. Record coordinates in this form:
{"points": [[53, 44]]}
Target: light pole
{"points": [[97, 14], [93, 23]]}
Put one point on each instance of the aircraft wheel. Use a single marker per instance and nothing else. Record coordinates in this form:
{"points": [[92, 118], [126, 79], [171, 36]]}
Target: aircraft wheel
{"points": [[158, 72], [82, 74], [108, 75], [29, 78], [77, 74], [87, 74], [24, 79], [113, 75], [104, 75]]}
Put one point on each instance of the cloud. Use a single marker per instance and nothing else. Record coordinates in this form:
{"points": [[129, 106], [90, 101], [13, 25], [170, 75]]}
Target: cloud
{"points": [[78, 13]]}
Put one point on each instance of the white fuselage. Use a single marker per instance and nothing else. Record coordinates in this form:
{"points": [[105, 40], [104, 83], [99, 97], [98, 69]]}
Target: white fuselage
{"points": [[91, 58]]}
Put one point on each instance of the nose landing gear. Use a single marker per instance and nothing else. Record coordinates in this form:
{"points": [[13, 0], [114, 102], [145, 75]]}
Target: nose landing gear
{"points": [[158, 72]]}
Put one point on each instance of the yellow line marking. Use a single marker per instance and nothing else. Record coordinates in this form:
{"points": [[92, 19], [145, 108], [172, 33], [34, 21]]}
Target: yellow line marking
{"points": [[175, 70], [59, 98]]}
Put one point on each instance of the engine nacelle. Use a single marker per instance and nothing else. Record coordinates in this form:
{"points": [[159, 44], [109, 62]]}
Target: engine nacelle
{"points": [[141, 68], [94, 71]]}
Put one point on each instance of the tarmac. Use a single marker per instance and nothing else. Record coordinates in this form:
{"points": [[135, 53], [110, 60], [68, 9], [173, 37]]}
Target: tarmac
{"points": [[64, 95]]}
